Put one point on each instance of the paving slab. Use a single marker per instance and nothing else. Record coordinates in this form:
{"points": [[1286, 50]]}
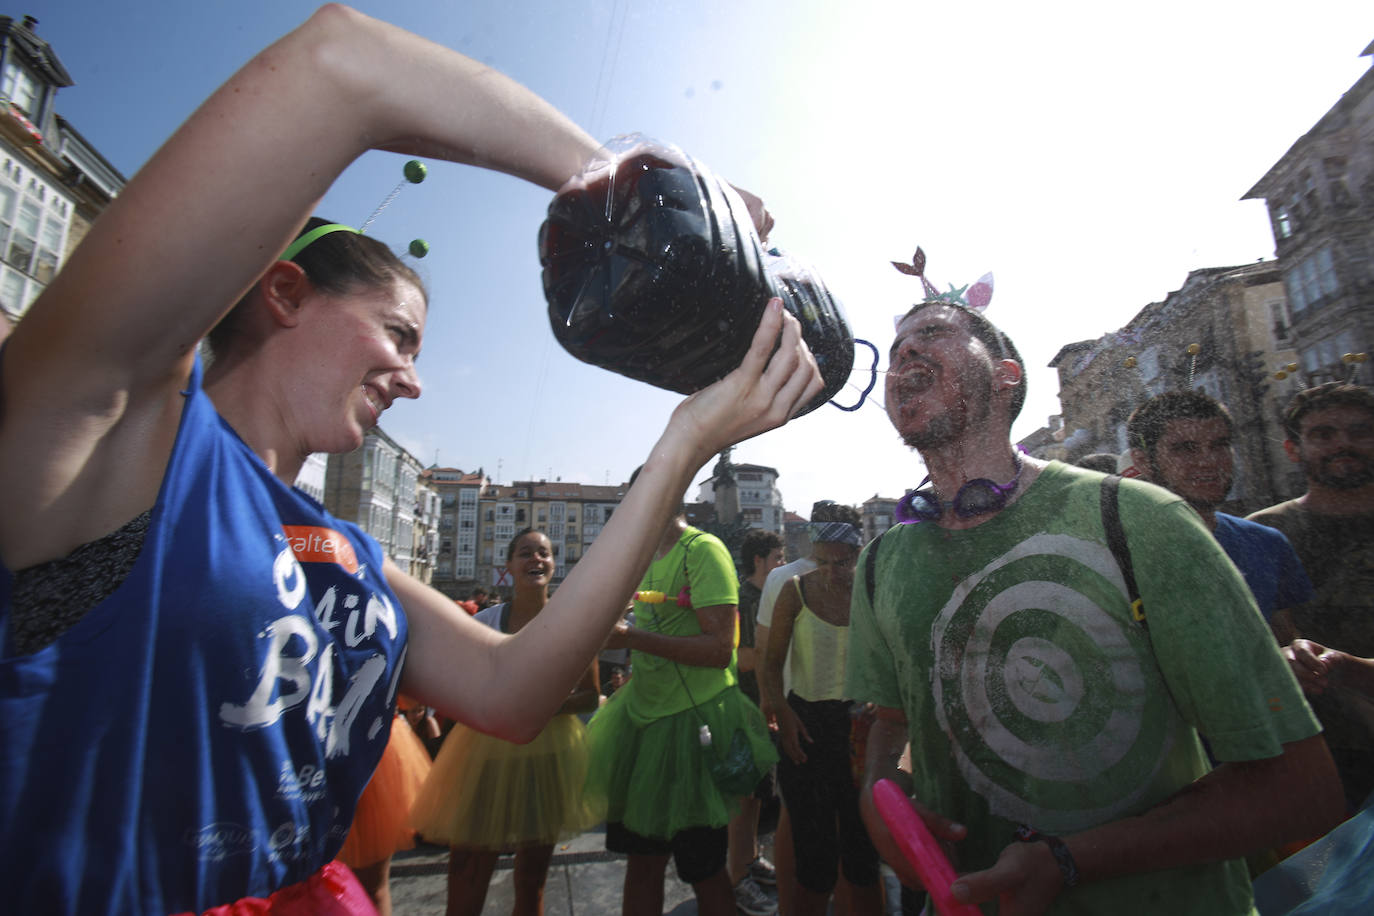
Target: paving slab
{"points": [[584, 880]]}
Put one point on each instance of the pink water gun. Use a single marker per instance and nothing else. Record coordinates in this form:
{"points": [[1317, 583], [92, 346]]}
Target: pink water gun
{"points": [[920, 847]]}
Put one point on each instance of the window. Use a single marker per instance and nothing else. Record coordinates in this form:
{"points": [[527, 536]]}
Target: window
{"points": [[20, 87], [1312, 279], [1326, 271], [23, 235], [12, 293], [1283, 222], [1278, 311]]}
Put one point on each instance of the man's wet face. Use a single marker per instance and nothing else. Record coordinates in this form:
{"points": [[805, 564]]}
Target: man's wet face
{"points": [[1193, 459], [939, 380], [1337, 447]]}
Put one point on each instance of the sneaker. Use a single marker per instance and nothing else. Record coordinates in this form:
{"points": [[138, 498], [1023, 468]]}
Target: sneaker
{"points": [[763, 873], [751, 899]]}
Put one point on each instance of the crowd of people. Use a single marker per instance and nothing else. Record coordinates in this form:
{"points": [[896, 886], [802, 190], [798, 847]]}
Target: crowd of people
{"points": [[1102, 694]]}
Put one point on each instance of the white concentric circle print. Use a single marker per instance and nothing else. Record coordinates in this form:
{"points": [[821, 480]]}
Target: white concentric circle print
{"points": [[1055, 709]]}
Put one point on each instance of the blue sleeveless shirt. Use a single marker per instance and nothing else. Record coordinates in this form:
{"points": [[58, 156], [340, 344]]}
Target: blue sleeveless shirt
{"points": [[203, 733]]}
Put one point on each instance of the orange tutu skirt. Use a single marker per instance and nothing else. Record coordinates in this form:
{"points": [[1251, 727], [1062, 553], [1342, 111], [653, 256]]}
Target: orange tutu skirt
{"points": [[381, 825]]}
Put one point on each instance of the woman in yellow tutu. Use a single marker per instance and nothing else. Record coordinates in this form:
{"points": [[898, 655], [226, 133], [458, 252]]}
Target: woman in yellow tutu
{"points": [[485, 796]]}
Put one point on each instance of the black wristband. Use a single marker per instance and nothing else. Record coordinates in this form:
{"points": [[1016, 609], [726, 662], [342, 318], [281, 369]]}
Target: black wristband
{"points": [[1068, 868]]}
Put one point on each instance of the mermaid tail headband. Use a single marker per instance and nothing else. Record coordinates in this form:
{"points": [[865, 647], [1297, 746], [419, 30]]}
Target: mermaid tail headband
{"points": [[975, 297]]}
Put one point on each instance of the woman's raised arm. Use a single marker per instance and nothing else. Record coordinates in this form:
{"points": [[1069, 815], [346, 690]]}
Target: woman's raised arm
{"points": [[223, 197], [88, 381]]}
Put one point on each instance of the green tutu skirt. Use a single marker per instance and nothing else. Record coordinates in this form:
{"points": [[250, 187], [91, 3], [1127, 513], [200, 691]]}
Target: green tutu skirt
{"points": [[485, 793], [655, 777]]}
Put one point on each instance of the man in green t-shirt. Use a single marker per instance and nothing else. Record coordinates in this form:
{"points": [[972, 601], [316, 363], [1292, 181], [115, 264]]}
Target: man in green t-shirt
{"points": [[995, 634]]}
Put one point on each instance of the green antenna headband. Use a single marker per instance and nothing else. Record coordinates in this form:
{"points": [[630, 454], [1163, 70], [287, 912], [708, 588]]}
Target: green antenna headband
{"points": [[301, 243], [414, 173]]}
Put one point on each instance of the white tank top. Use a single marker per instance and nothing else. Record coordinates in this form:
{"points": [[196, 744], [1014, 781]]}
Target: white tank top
{"points": [[817, 656]]}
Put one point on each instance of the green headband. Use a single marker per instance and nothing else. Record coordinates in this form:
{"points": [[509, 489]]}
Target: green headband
{"points": [[301, 243]]}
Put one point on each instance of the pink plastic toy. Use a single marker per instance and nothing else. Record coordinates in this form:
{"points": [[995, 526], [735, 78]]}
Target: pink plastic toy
{"points": [[920, 847]]}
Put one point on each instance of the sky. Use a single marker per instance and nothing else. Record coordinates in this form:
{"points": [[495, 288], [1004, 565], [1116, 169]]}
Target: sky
{"points": [[1088, 154]]}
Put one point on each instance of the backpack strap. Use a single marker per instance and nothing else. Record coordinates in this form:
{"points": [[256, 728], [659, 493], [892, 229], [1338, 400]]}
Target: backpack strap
{"points": [[1116, 540], [871, 565]]}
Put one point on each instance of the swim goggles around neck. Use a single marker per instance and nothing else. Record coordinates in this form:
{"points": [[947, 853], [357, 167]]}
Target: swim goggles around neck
{"points": [[977, 497]]}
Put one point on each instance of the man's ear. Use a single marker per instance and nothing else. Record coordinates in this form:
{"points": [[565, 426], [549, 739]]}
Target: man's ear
{"points": [[1141, 462], [1008, 374], [284, 288], [1290, 448]]}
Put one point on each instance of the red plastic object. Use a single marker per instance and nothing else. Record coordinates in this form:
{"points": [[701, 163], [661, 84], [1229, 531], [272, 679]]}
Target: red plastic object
{"points": [[920, 847]]}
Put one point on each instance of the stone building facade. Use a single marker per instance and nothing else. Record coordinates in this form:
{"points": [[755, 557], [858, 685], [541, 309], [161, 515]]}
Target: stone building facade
{"points": [[1224, 332], [1320, 198]]}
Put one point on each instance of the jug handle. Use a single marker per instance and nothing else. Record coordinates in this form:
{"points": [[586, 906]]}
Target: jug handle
{"points": [[873, 378]]}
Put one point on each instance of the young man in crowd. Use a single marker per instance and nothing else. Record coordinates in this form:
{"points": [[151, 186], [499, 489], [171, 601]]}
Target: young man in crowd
{"points": [[1181, 440], [1331, 437], [1054, 737]]}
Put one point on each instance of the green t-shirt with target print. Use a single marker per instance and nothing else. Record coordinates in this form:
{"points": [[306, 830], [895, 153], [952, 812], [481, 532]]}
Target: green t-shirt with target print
{"points": [[1033, 697]]}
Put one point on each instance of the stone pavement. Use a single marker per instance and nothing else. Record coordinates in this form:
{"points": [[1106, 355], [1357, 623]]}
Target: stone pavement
{"points": [[585, 880]]}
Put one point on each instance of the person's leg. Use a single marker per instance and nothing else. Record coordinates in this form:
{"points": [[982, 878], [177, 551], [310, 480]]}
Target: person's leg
{"points": [[646, 859], [699, 854], [469, 874], [643, 893], [744, 839], [860, 872], [808, 792], [866, 900], [531, 871], [376, 880], [715, 895], [785, 861]]}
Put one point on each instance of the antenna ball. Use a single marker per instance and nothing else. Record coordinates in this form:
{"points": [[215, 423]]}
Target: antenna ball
{"points": [[419, 248], [1194, 349], [415, 171], [1130, 362]]}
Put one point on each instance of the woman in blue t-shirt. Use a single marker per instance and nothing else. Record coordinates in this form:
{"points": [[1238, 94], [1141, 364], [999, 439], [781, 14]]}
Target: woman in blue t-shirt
{"points": [[228, 652]]}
